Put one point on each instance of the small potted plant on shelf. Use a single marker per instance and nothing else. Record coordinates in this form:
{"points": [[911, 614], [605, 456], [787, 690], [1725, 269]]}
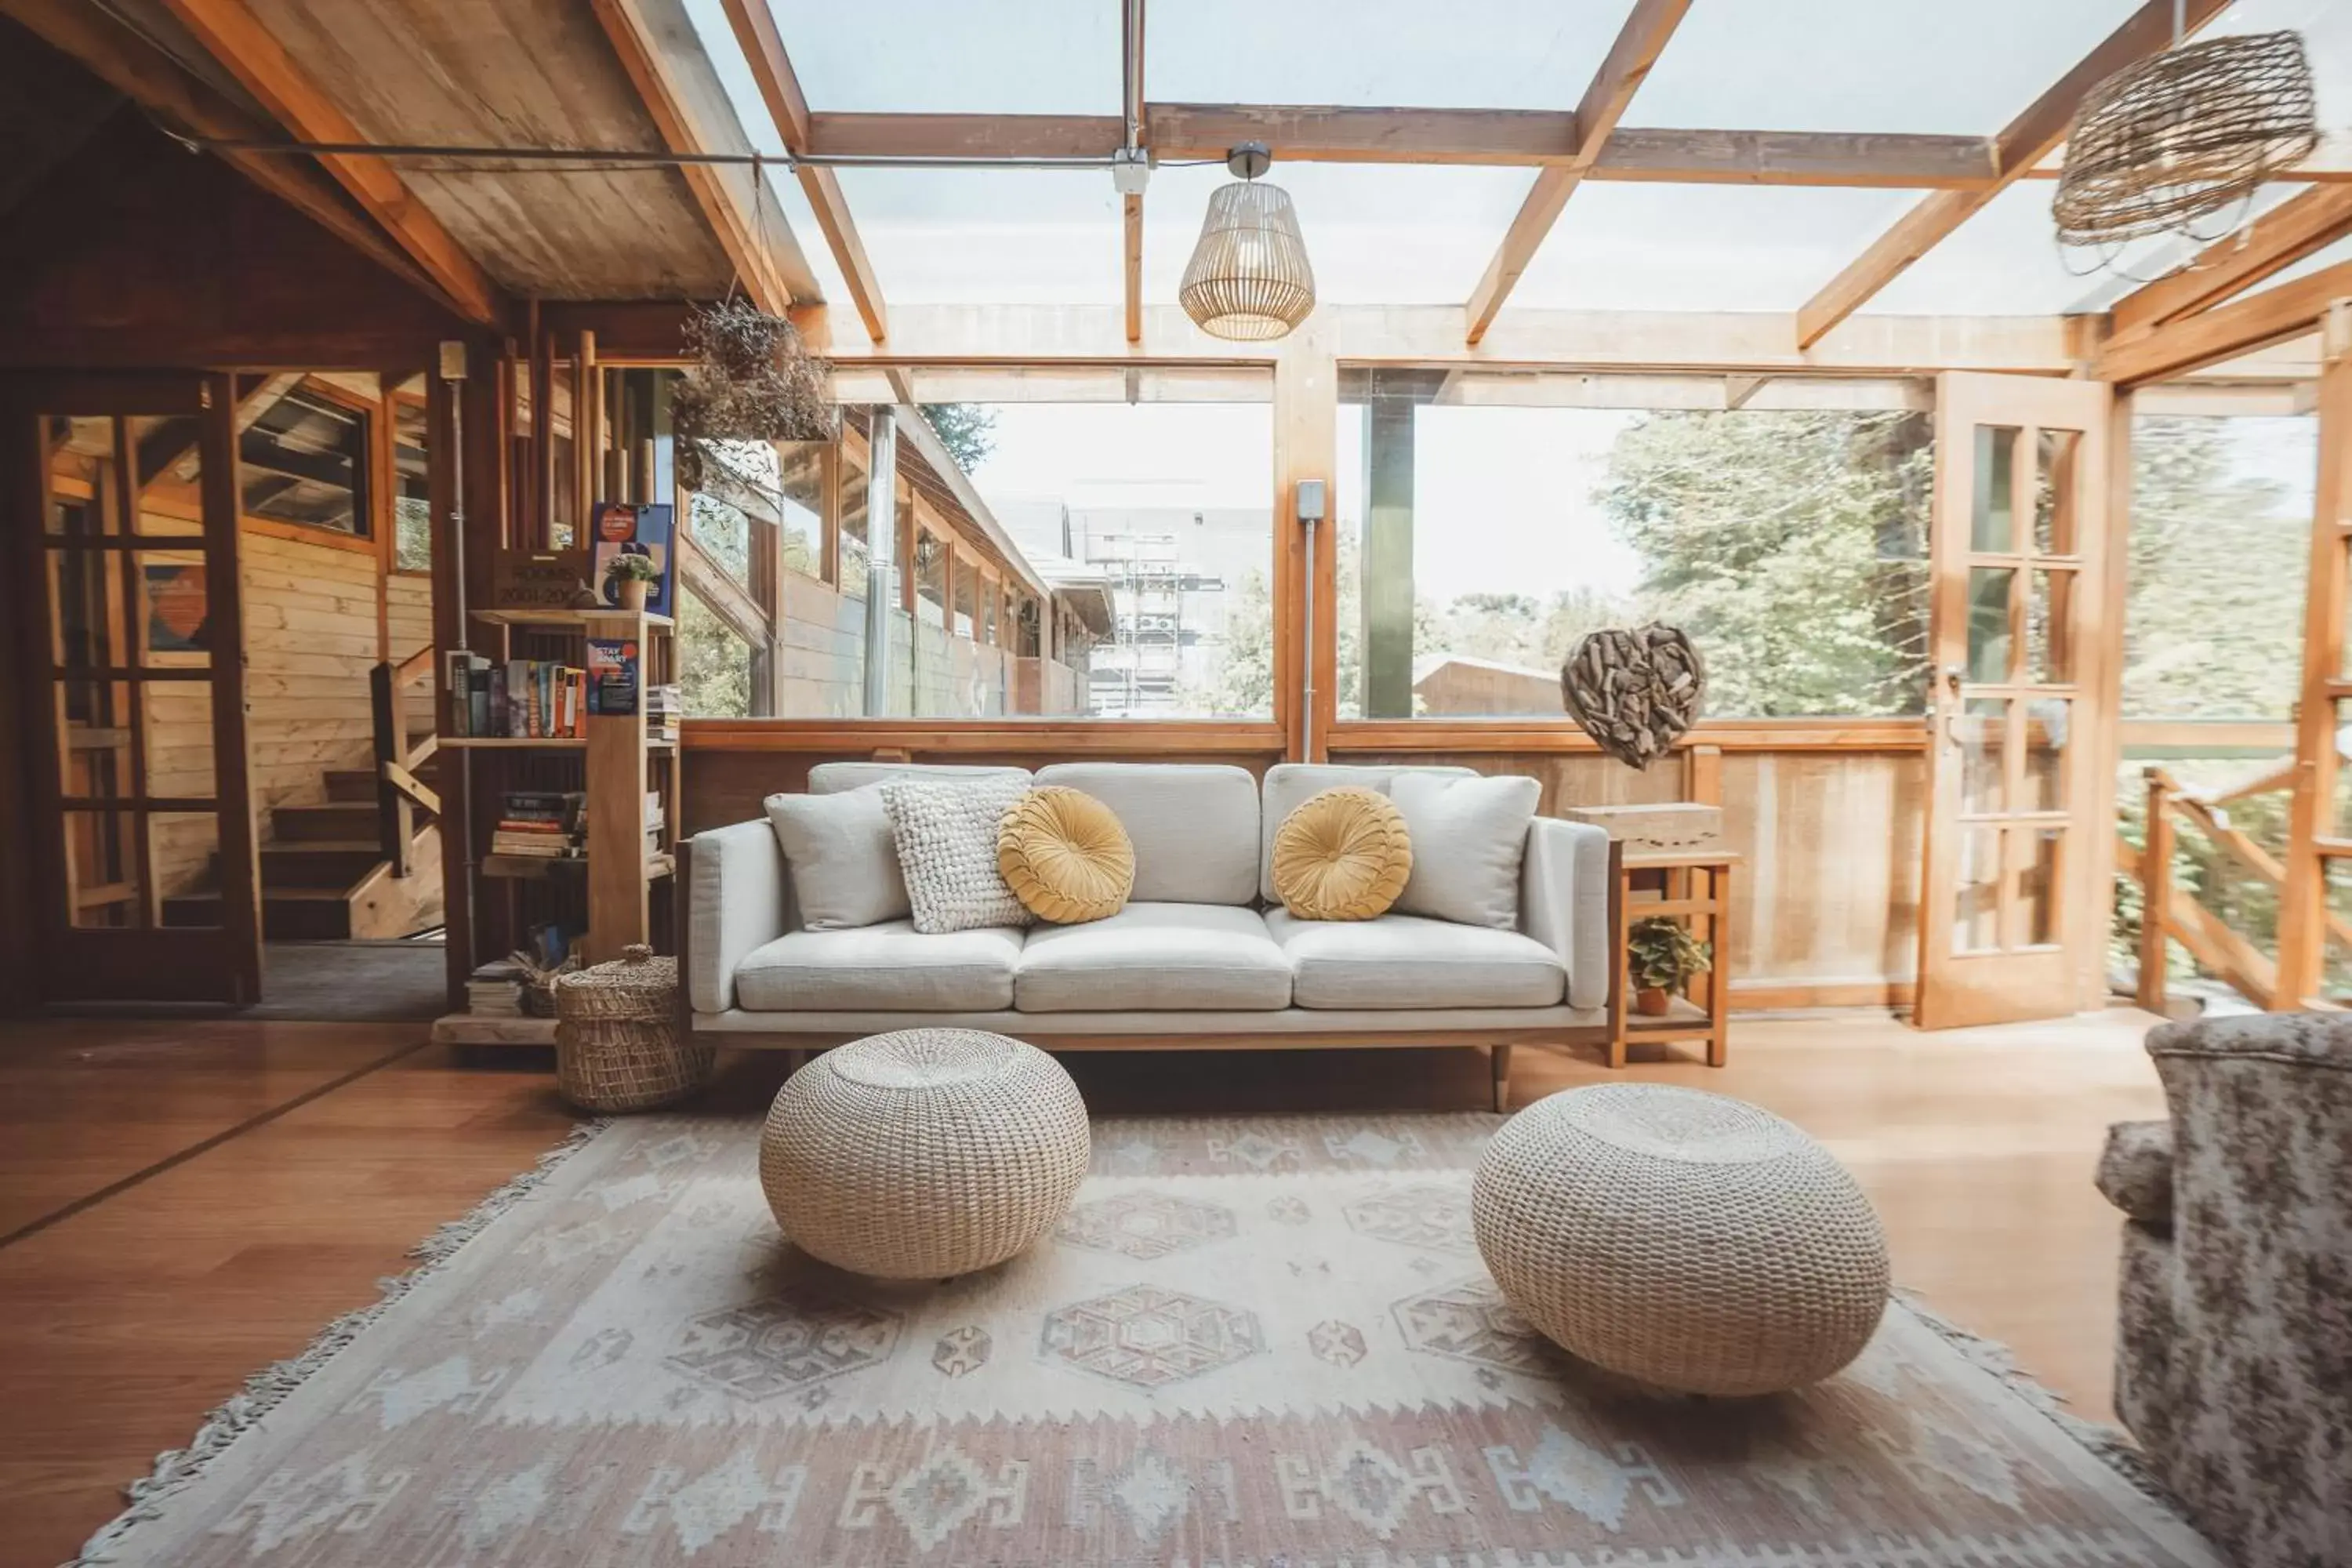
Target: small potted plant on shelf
{"points": [[1664, 955], [634, 574]]}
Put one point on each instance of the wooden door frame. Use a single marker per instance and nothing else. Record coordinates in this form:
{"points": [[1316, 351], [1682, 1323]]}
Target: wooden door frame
{"points": [[148, 963], [2066, 976]]}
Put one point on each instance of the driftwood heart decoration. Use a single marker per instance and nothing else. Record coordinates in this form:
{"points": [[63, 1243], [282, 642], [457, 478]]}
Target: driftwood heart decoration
{"points": [[1635, 692]]}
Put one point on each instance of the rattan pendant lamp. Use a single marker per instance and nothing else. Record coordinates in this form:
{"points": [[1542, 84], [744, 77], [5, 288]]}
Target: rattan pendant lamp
{"points": [[1248, 279], [2183, 135]]}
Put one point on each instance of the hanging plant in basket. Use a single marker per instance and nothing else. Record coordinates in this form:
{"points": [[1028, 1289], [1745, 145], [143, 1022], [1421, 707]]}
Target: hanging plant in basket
{"points": [[752, 379]]}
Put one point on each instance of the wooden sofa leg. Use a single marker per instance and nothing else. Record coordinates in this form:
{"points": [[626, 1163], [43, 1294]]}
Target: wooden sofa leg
{"points": [[1499, 1059]]}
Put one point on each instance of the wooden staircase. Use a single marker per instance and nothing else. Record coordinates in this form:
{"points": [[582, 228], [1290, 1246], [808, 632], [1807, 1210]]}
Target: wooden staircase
{"points": [[365, 863], [325, 876]]}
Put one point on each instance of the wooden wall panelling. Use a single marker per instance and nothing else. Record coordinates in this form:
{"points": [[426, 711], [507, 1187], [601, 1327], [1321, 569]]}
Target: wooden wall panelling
{"points": [[312, 633], [1826, 908]]}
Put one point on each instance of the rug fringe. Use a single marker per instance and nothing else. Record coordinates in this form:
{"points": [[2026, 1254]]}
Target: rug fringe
{"points": [[2111, 1445], [176, 1469]]}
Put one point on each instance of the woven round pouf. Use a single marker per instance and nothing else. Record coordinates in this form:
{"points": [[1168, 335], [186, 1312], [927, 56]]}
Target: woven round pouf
{"points": [[924, 1153], [1680, 1238]]}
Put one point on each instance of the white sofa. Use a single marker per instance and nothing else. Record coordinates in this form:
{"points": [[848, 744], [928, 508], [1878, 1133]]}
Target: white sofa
{"points": [[1203, 953]]}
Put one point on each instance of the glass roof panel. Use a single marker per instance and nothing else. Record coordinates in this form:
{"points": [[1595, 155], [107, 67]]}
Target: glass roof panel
{"points": [[1700, 248], [1887, 66], [953, 56], [988, 236], [1489, 54], [1376, 234]]}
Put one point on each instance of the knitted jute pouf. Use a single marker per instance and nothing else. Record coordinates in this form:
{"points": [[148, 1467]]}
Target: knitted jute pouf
{"points": [[1680, 1238], [925, 1152]]}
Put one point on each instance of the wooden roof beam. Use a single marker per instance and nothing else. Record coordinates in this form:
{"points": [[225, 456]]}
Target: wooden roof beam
{"points": [[233, 35], [1506, 138], [780, 88], [655, 39], [2273, 242], [2022, 143], [1639, 43], [2192, 343]]}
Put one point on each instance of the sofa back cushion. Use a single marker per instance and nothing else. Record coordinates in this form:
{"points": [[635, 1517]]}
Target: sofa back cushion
{"points": [[1194, 826], [834, 778], [841, 861], [1289, 785], [1468, 836]]}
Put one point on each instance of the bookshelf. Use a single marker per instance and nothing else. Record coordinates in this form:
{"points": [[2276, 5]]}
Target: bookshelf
{"points": [[609, 894]]}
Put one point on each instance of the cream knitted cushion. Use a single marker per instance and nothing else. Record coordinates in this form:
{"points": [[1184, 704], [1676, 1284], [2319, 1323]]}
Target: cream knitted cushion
{"points": [[1343, 855], [1682, 1238], [946, 835], [1066, 855]]}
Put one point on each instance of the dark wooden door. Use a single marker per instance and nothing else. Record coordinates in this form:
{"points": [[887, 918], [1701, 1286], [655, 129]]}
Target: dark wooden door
{"points": [[128, 652]]}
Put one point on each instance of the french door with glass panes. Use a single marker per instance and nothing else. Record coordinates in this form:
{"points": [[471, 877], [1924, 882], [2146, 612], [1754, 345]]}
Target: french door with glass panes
{"points": [[2009, 917], [128, 652]]}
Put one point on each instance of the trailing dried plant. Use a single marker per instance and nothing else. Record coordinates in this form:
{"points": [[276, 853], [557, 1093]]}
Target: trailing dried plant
{"points": [[752, 379]]}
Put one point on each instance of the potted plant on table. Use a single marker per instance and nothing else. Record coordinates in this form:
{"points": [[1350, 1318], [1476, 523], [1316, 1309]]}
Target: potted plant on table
{"points": [[1663, 956], [634, 574]]}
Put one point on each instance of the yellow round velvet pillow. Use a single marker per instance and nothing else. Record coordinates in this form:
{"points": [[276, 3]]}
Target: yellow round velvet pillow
{"points": [[1342, 856], [1064, 856]]}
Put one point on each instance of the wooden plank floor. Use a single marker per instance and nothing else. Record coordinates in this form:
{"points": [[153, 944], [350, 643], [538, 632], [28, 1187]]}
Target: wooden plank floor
{"points": [[272, 1213]]}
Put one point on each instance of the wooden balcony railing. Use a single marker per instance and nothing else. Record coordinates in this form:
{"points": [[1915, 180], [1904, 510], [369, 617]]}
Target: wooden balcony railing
{"points": [[2170, 911]]}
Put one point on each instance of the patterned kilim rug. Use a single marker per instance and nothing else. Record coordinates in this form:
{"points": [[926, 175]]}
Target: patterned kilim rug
{"points": [[1261, 1343]]}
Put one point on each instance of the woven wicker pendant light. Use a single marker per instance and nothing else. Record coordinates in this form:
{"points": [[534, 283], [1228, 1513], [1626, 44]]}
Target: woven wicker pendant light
{"points": [[2184, 133], [1248, 279]]}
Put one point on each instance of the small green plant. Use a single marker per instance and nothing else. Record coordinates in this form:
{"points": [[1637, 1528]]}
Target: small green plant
{"points": [[1665, 954], [632, 569]]}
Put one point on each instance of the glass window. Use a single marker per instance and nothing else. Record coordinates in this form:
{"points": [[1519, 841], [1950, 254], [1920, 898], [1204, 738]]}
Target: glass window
{"points": [[714, 664], [1478, 543], [304, 460], [2221, 540], [412, 511], [1153, 525]]}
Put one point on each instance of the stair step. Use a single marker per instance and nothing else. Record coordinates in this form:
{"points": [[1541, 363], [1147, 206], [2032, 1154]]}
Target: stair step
{"points": [[287, 913], [342, 819], [307, 863], [356, 784]]}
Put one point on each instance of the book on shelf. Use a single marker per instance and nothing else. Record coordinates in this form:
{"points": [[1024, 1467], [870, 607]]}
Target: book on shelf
{"points": [[539, 823], [516, 698], [663, 708], [495, 990]]}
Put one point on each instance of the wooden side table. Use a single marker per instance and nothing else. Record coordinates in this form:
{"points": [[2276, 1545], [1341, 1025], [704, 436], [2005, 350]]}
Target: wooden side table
{"points": [[1695, 884]]}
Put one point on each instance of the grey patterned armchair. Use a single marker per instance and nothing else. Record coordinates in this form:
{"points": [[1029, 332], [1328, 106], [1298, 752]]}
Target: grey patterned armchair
{"points": [[2235, 1369]]}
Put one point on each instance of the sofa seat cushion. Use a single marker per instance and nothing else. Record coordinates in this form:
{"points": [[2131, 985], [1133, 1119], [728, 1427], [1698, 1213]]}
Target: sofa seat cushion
{"points": [[1166, 957], [886, 966], [1407, 961]]}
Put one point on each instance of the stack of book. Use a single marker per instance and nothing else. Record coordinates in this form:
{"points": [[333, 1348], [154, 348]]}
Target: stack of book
{"points": [[655, 820], [495, 990], [663, 708], [522, 699], [539, 824]]}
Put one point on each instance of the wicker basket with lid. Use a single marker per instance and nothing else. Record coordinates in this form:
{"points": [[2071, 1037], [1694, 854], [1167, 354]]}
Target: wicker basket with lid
{"points": [[617, 1043]]}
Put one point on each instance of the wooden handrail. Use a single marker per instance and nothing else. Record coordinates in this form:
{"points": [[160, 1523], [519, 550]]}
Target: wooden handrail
{"points": [[413, 669], [2167, 911], [398, 791]]}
